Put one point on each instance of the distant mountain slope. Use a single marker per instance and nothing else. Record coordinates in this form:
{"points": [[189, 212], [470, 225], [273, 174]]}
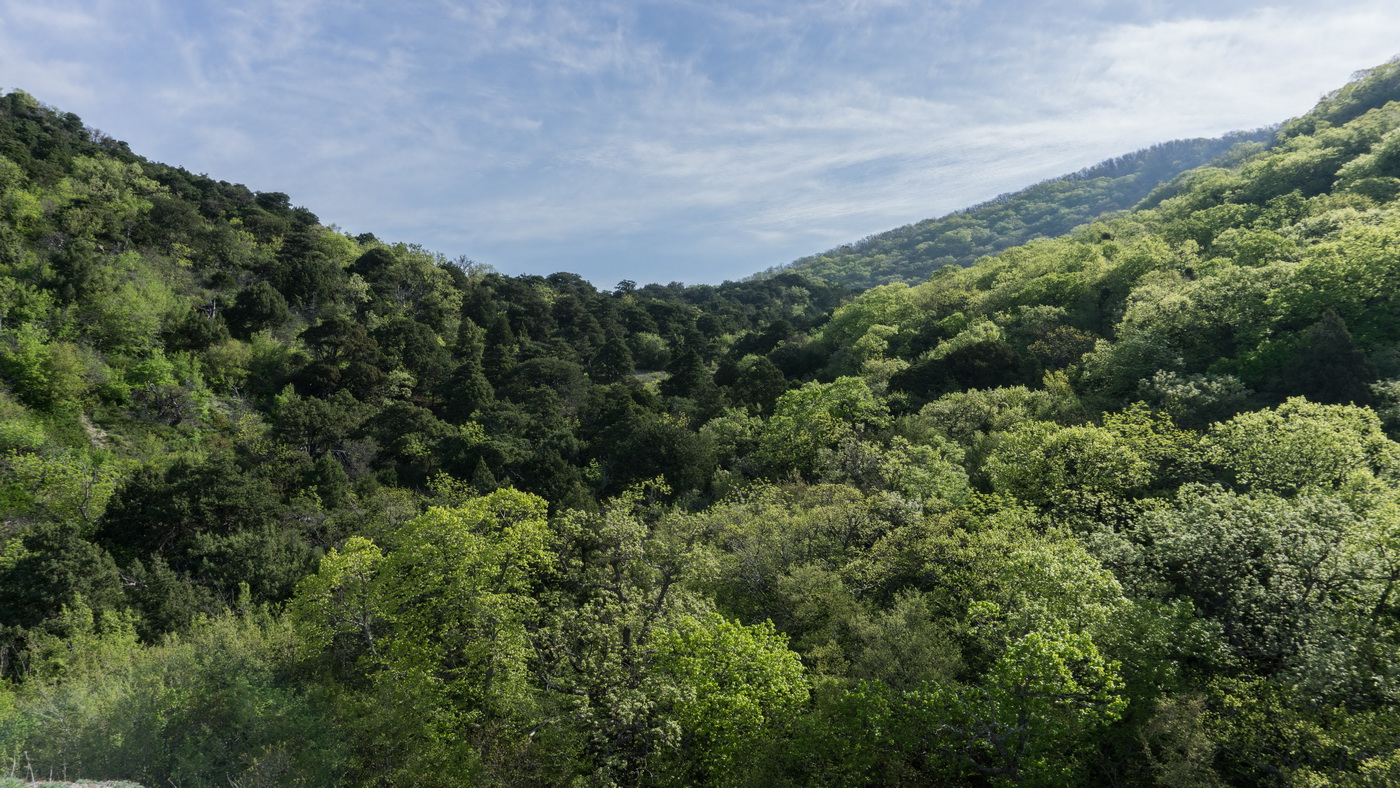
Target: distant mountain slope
{"points": [[1048, 209], [1275, 275]]}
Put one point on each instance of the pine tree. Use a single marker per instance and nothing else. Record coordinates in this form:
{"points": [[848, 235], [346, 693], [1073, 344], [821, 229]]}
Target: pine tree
{"points": [[1328, 366], [688, 375], [613, 361]]}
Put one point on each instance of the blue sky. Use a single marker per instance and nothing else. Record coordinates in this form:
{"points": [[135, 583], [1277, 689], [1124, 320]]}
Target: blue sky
{"points": [[676, 139]]}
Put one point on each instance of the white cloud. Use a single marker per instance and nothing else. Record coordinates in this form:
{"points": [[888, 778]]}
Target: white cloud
{"points": [[537, 129], [58, 19]]}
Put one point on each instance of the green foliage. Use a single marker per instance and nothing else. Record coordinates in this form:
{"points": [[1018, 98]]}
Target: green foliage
{"points": [[1031, 716], [257, 307], [52, 567], [887, 306], [922, 535], [44, 374], [733, 688], [917, 251], [1301, 445], [625, 572], [58, 485], [1194, 401], [1290, 582], [769, 533], [1267, 735], [613, 361], [1072, 472], [437, 626], [930, 473], [316, 425], [815, 417], [216, 706], [216, 524], [126, 305]]}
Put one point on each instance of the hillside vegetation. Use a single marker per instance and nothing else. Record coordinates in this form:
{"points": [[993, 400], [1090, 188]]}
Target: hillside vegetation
{"points": [[912, 253], [281, 506]]}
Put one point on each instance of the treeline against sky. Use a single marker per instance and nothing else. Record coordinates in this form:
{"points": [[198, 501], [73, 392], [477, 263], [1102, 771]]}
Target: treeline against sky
{"points": [[912, 253]]}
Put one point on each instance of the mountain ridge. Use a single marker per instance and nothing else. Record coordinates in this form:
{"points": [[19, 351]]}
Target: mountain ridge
{"points": [[1052, 207]]}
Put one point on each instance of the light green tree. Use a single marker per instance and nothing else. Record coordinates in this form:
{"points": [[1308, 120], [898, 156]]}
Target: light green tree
{"points": [[1028, 720], [1085, 473], [437, 626], [815, 417], [732, 688], [1298, 586], [1302, 445]]}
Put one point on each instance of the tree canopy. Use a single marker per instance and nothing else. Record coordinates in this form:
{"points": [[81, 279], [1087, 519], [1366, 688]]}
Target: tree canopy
{"points": [[1112, 506]]}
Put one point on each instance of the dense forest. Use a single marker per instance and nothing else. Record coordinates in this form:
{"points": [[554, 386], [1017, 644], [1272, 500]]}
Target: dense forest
{"points": [[282, 506], [1048, 209]]}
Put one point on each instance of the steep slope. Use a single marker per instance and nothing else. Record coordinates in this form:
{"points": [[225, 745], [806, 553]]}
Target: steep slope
{"points": [[1272, 274], [912, 253]]}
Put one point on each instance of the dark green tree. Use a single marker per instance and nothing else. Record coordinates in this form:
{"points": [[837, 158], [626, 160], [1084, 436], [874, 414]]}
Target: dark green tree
{"points": [[1328, 367], [55, 567], [257, 307], [687, 375], [195, 330], [613, 361]]}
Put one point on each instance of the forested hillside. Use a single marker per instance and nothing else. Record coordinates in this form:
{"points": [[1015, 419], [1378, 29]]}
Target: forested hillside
{"points": [[286, 507], [912, 253]]}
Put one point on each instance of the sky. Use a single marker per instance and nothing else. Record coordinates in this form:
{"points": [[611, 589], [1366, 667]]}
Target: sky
{"points": [[674, 140]]}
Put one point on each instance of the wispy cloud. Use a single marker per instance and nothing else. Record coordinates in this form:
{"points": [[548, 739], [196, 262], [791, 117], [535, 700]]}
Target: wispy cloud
{"points": [[717, 137]]}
